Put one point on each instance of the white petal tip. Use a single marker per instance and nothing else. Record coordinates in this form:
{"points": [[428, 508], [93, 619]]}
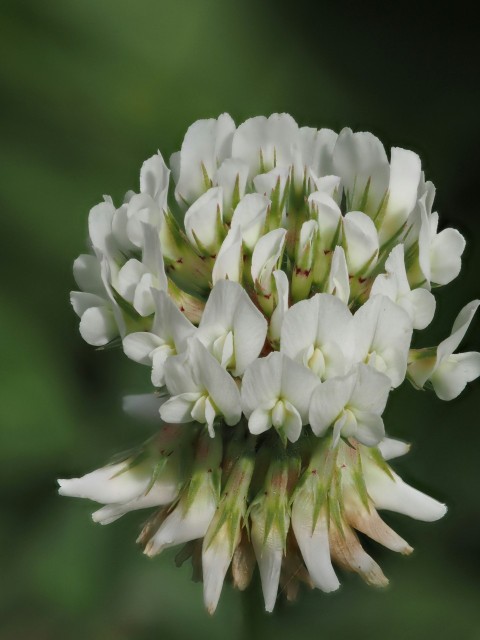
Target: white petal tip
{"points": [[151, 550], [66, 487], [269, 607], [376, 578], [211, 607], [438, 512], [391, 448], [328, 587]]}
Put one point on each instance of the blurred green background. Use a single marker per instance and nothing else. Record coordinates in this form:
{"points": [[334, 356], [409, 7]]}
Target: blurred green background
{"points": [[89, 90]]}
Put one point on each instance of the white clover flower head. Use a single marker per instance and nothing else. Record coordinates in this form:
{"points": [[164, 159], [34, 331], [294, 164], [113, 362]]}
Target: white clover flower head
{"points": [[271, 277]]}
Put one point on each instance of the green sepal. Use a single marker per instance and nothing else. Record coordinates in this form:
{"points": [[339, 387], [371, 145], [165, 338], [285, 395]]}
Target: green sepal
{"points": [[379, 460], [379, 215], [233, 502], [206, 468], [359, 483], [116, 343], [261, 162], [127, 308], [278, 201], [385, 249], [206, 178], [362, 205], [235, 194], [335, 502]]}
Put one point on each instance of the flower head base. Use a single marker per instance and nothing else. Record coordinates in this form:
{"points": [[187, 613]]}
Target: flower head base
{"points": [[274, 298]]}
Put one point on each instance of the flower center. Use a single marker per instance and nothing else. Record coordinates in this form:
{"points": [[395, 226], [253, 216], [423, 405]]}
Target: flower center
{"points": [[316, 361], [223, 350]]}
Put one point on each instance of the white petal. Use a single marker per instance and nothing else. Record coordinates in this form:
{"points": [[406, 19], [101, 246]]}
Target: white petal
{"points": [[229, 260], [330, 185], [128, 278], [460, 328], [421, 222], [182, 526], [360, 241], [160, 494], [338, 279], [421, 307], [170, 323], [405, 170], [265, 141], [298, 384], [218, 382], [139, 346], [201, 220], [249, 216], [312, 153], [143, 302], [86, 271], [229, 308], [108, 484], [371, 390], [232, 176], [100, 228], [394, 283], [82, 301], [328, 216], [120, 229], [314, 546], [328, 400], [98, 326], [299, 328], [178, 409], [306, 239], [347, 551], [180, 376], [142, 209], [370, 429], [159, 357], [277, 178], [108, 271], [385, 329], [259, 421], [216, 559], [395, 495], [325, 322], [153, 257], [292, 425], [154, 176], [261, 384], [385, 285], [269, 554], [446, 256], [359, 158], [391, 448], [266, 257], [278, 315], [207, 143], [249, 330], [370, 523], [453, 374]]}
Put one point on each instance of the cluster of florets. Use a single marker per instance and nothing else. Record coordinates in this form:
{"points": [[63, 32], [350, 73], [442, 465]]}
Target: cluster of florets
{"points": [[273, 290]]}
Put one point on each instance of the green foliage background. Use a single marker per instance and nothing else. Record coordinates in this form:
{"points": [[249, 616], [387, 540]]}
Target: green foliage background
{"points": [[89, 90]]}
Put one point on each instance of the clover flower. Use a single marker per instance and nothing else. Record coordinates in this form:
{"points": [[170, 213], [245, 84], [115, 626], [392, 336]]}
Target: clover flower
{"points": [[271, 278]]}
